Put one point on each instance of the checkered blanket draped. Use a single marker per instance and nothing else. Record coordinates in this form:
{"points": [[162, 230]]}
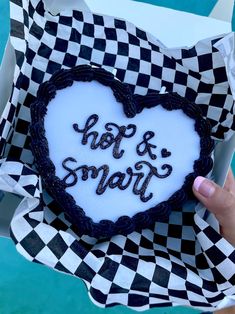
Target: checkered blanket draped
{"points": [[184, 261]]}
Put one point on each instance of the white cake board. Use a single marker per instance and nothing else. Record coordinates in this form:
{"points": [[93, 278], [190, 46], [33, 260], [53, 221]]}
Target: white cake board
{"points": [[151, 18]]}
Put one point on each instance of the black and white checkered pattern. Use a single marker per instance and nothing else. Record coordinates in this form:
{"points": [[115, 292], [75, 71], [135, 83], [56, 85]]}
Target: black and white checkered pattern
{"points": [[18, 178], [185, 261]]}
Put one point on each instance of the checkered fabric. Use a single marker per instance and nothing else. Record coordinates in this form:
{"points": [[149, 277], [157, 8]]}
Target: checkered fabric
{"points": [[18, 178], [184, 261]]}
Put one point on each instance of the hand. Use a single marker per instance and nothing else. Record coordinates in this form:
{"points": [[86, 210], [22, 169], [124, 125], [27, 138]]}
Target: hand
{"points": [[220, 202], [229, 310]]}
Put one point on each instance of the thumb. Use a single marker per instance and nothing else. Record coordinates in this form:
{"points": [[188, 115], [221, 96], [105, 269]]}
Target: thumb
{"points": [[218, 201]]}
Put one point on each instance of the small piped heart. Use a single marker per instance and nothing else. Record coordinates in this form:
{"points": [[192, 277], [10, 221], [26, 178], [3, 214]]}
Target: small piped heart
{"points": [[165, 153]]}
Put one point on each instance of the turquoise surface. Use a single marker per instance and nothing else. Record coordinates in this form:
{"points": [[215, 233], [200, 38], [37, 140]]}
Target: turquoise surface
{"points": [[193, 6], [27, 288], [4, 24]]}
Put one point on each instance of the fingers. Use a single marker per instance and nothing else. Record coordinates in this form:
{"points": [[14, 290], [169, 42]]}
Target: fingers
{"points": [[216, 199], [220, 202], [230, 182]]}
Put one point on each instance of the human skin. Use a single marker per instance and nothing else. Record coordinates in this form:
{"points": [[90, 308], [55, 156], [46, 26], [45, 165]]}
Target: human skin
{"points": [[220, 202], [229, 310]]}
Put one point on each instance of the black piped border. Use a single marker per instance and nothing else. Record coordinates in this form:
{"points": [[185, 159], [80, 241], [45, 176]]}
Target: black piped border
{"points": [[132, 105]]}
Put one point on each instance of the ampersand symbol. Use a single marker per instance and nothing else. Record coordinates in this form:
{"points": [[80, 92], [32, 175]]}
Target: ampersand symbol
{"points": [[147, 147]]}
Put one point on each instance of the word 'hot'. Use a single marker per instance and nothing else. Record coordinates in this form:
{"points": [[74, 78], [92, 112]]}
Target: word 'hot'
{"points": [[107, 139]]}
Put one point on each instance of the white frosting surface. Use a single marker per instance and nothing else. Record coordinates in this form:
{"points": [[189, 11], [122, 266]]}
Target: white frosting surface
{"points": [[173, 131]]}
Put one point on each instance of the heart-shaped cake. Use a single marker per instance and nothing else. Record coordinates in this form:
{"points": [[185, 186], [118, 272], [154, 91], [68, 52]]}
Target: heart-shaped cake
{"points": [[116, 162]]}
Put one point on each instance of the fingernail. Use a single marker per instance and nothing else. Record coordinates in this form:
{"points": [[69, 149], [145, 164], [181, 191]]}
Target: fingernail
{"points": [[204, 186]]}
